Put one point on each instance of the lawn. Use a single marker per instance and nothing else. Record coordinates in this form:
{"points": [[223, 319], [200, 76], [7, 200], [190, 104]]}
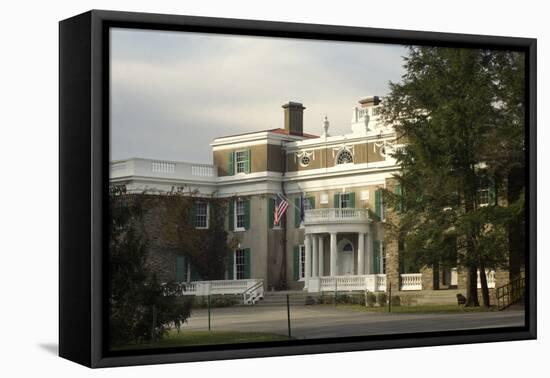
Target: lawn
{"points": [[418, 309], [188, 338]]}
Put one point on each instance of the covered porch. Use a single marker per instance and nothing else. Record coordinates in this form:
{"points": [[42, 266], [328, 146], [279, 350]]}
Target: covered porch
{"points": [[343, 252]]}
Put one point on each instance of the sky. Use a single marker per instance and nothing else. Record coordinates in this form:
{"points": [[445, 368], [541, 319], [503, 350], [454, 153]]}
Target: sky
{"points": [[172, 93]]}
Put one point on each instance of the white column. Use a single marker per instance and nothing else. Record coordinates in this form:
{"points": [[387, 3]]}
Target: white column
{"points": [[361, 253], [321, 257], [368, 251], [307, 245], [314, 256], [333, 255]]}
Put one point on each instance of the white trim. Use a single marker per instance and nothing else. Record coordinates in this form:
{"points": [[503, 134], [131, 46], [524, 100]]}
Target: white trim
{"points": [[259, 138]]}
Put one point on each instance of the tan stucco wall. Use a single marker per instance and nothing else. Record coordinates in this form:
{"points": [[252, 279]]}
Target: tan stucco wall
{"points": [[325, 157], [264, 157]]}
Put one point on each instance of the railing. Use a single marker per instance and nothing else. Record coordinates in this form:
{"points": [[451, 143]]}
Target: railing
{"points": [[510, 293], [162, 169], [411, 281], [490, 274], [254, 293], [370, 282], [336, 215], [253, 287]]}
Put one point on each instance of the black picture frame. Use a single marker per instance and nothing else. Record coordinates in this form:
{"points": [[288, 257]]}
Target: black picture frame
{"points": [[84, 178]]}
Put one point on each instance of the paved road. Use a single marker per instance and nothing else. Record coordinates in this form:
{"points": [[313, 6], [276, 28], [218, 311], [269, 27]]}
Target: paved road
{"points": [[327, 321]]}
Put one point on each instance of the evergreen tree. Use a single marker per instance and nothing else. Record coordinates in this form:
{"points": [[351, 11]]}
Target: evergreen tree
{"points": [[452, 113]]}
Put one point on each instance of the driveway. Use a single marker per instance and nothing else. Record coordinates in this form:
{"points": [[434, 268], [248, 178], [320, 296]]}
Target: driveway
{"points": [[328, 321]]}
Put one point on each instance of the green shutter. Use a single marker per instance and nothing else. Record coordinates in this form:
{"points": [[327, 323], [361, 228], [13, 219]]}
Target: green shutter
{"points": [[378, 203], [270, 212], [230, 264], [376, 256], [399, 204], [248, 163], [192, 214], [181, 268], [296, 263], [231, 215], [297, 212], [247, 214], [492, 192], [352, 200], [247, 263], [337, 200], [311, 201], [231, 164]]}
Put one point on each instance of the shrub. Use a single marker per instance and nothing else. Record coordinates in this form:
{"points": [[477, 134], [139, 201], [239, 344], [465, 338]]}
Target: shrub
{"points": [[310, 300], [370, 299], [396, 301], [408, 300], [382, 299]]}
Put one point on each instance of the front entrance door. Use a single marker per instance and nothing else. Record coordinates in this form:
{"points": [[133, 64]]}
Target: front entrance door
{"points": [[346, 263], [345, 258]]}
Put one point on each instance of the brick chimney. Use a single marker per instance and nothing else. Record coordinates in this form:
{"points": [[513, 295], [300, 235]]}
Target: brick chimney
{"points": [[294, 118]]}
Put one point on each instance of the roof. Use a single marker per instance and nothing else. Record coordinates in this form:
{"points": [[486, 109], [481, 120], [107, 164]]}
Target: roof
{"points": [[275, 131]]}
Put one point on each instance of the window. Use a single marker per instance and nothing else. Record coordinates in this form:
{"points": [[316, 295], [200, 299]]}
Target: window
{"points": [[241, 161], [483, 197], [201, 215], [302, 262], [344, 200], [239, 214], [239, 264], [344, 157], [305, 160]]}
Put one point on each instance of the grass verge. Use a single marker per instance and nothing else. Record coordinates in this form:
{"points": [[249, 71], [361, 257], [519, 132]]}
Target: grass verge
{"points": [[188, 338]]}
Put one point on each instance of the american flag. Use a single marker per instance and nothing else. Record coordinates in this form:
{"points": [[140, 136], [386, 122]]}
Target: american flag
{"points": [[281, 204]]}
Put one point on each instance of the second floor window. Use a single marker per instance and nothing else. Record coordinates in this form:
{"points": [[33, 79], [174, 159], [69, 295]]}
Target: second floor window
{"points": [[344, 200], [241, 161], [201, 215]]}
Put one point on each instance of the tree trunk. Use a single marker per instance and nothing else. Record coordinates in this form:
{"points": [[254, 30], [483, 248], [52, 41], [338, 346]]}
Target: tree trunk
{"points": [[471, 287], [484, 287]]}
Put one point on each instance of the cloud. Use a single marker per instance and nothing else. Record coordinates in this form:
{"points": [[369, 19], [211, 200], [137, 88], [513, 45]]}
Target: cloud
{"points": [[173, 92]]}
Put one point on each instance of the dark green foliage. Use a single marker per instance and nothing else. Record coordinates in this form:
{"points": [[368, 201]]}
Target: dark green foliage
{"points": [[141, 309], [460, 115], [371, 299], [382, 299], [396, 300]]}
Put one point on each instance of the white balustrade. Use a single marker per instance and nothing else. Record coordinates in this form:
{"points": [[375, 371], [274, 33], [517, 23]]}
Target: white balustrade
{"points": [[218, 287], [162, 168], [370, 282], [411, 281], [490, 274], [335, 215]]}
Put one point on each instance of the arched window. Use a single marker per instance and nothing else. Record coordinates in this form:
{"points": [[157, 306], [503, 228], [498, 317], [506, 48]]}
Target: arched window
{"points": [[348, 248], [344, 157]]}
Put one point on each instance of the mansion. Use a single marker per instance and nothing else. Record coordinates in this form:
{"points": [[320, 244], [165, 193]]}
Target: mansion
{"points": [[332, 236]]}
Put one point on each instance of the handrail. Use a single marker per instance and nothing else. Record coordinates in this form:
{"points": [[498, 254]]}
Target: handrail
{"points": [[511, 293], [252, 289]]}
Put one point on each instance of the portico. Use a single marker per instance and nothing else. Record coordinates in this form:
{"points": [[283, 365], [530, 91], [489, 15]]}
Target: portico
{"points": [[347, 232]]}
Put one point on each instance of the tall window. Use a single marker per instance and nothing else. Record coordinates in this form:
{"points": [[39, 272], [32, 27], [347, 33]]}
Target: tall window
{"points": [[241, 161], [344, 200], [239, 214], [302, 262], [239, 264], [201, 215], [344, 157]]}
